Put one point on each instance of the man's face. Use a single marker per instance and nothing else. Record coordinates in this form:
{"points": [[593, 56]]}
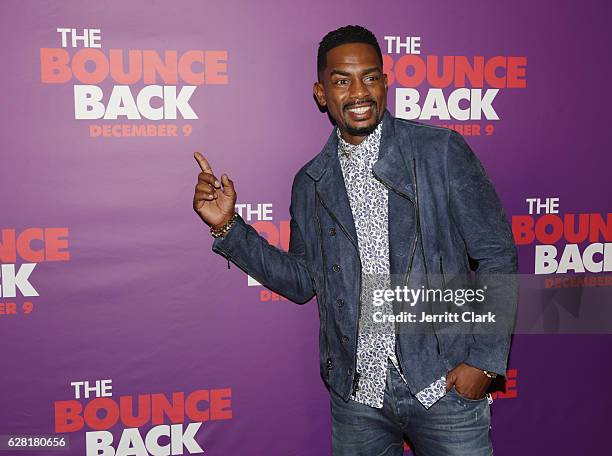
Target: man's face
{"points": [[354, 89]]}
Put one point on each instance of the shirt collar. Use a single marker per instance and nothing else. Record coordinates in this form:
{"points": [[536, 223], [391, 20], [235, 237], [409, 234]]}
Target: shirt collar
{"points": [[368, 148]]}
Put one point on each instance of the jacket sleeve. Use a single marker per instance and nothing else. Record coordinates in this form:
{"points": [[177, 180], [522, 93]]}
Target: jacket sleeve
{"points": [[479, 215], [285, 273]]}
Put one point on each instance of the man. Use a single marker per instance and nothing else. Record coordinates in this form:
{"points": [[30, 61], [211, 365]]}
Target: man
{"points": [[385, 198]]}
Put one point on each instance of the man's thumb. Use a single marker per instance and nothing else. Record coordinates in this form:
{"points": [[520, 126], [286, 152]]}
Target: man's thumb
{"points": [[450, 381], [228, 185]]}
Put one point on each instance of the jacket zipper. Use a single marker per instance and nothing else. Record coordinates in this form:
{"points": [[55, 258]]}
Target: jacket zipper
{"points": [[414, 243], [241, 266], [442, 274], [355, 383], [416, 196], [355, 373]]}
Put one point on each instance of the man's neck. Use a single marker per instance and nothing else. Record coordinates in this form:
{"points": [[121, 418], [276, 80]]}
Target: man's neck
{"points": [[355, 140]]}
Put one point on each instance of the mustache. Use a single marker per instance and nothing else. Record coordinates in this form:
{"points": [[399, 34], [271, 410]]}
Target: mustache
{"points": [[364, 102]]}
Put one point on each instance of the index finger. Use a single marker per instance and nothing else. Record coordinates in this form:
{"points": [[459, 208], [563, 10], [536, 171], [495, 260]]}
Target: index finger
{"points": [[202, 162]]}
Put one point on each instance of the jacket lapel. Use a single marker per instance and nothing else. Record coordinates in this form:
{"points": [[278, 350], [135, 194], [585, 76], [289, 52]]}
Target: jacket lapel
{"points": [[394, 165], [394, 169], [329, 184]]}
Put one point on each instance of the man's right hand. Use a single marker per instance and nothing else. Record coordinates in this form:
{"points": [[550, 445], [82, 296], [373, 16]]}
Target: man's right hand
{"points": [[212, 203]]}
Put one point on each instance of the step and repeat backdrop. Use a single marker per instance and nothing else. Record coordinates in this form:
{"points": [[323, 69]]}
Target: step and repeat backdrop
{"points": [[122, 333]]}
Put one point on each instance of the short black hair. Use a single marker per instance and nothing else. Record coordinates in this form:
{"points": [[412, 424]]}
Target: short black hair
{"points": [[345, 35]]}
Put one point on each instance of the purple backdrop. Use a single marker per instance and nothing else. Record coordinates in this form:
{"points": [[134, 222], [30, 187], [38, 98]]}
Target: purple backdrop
{"points": [[143, 300]]}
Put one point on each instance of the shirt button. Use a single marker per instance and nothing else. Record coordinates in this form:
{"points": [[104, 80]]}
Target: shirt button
{"points": [[340, 302], [350, 371], [345, 339], [336, 268], [332, 231]]}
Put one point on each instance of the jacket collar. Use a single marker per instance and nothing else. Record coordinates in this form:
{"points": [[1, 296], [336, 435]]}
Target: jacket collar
{"points": [[393, 167]]}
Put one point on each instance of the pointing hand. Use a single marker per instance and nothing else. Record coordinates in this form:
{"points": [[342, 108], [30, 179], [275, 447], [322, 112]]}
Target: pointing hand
{"points": [[214, 199]]}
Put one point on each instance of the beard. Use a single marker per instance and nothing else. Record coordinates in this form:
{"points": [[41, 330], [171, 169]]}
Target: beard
{"points": [[365, 130], [361, 131]]}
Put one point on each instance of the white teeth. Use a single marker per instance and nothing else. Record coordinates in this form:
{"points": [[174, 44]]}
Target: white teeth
{"points": [[359, 110]]}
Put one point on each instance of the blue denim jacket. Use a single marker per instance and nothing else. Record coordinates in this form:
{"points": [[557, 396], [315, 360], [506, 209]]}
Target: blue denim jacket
{"points": [[443, 212]]}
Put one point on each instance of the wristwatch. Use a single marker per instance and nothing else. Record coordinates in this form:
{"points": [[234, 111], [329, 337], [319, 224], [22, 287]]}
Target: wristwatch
{"points": [[490, 374]]}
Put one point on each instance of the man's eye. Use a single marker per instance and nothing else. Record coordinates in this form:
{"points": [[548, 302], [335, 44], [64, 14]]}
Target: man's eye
{"points": [[342, 82], [372, 78]]}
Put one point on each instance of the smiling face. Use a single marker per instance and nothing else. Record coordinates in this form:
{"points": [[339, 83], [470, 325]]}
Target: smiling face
{"points": [[354, 89]]}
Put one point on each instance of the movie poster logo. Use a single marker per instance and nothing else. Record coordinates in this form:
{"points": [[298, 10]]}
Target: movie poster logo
{"points": [[143, 425], [119, 85], [449, 88], [21, 253], [564, 242]]}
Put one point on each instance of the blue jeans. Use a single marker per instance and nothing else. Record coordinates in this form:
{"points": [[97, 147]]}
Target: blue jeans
{"points": [[453, 426]]}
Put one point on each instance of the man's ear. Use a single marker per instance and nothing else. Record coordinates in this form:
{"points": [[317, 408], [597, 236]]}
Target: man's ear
{"points": [[319, 94], [385, 81]]}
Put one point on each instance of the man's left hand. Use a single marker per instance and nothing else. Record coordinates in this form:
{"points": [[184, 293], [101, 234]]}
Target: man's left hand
{"points": [[468, 381]]}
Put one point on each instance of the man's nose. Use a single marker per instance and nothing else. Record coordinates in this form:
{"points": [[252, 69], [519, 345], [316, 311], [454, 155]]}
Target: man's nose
{"points": [[358, 89]]}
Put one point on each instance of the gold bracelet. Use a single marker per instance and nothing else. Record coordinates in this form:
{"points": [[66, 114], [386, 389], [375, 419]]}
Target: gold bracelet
{"points": [[222, 231]]}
